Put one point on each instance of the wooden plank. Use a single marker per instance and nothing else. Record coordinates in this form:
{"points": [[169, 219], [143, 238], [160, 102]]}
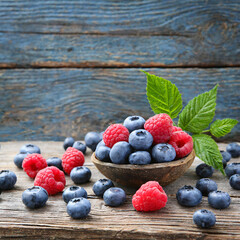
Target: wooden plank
{"points": [[49, 104], [52, 221], [139, 33]]}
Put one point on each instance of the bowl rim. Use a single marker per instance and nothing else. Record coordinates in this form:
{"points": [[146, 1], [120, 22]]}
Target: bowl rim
{"points": [[174, 163]]}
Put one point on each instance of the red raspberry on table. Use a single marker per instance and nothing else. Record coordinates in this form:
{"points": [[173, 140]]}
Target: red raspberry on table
{"points": [[182, 143], [149, 197], [115, 133], [51, 179], [176, 129], [72, 158], [160, 126], [33, 163]]}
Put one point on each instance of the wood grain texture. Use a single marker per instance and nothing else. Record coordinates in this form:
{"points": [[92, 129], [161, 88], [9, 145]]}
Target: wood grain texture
{"points": [[49, 104], [119, 34], [52, 221]]}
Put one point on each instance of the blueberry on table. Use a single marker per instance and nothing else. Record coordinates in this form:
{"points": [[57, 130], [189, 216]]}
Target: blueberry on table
{"points": [[204, 171], [206, 185], [56, 162], [219, 199], [226, 156], [102, 153], [133, 123], [234, 181], [35, 197], [233, 149], [78, 208], [120, 152], [92, 139], [68, 142], [18, 159], [204, 218], [80, 175], [140, 139], [73, 192], [140, 158], [189, 196], [163, 152], [7, 180], [80, 146], [232, 168], [30, 148], [114, 197], [101, 186]]}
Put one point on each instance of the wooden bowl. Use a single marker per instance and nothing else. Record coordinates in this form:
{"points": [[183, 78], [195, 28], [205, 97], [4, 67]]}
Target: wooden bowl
{"points": [[136, 175]]}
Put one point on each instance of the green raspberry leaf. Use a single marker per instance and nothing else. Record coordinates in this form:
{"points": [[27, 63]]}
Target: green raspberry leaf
{"points": [[199, 112], [163, 96], [207, 150], [222, 127]]}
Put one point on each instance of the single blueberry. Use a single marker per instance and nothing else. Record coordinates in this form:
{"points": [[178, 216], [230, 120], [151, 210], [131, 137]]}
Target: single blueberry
{"points": [[80, 146], [80, 175], [18, 159], [133, 123], [204, 171], [235, 181], [233, 149], [120, 152], [73, 192], [204, 218], [219, 199], [102, 153], [163, 152], [206, 185], [78, 207], [100, 144], [189, 196], [140, 158], [92, 139], [35, 197], [68, 142], [55, 161], [101, 186], [101, 134], [114, 196], [226, 156], [30, 148], [7, 179], [140, 139], [232, 168]]}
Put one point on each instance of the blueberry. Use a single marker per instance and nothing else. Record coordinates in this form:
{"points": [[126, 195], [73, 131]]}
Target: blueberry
{"points": [[226, 156], [120, 152], [140, 158], [92, 139], [73, 192], [35, 197], [235, 181], [18, 159], [101, 186], [114, 197], [55, 161], [140, 139], [7, 179], [219, 199], [101, 143], [80, 146], [232, 168], [163, 152], [80, 175], [78, 207], [204, 218], [30, 148], [189, 196], [101, 134], [133, 123], [204, 171], [68, 142], [233, 149], [206, 185], [102, 153]]}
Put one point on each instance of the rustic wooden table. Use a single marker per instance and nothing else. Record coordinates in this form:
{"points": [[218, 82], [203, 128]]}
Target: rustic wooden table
{"points": [[53, 222]]}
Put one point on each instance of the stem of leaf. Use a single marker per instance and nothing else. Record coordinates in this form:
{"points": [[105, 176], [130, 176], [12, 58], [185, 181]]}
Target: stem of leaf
{"points": [[206, 131]]}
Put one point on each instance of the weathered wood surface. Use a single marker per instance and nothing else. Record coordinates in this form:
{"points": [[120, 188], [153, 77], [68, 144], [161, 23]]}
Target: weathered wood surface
{"points": [[50, 104], [52, 221], [102, 33]]}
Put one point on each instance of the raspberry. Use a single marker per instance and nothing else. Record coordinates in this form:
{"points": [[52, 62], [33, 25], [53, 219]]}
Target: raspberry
{"points": [[160, 126], [176, 129], [149, 197], [115, 133], [33, 163], [72, 158], [182, 143], [51, 179]]}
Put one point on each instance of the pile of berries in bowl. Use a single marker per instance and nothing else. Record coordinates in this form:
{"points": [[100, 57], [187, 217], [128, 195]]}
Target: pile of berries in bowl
{"points": [[138, 151]]}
